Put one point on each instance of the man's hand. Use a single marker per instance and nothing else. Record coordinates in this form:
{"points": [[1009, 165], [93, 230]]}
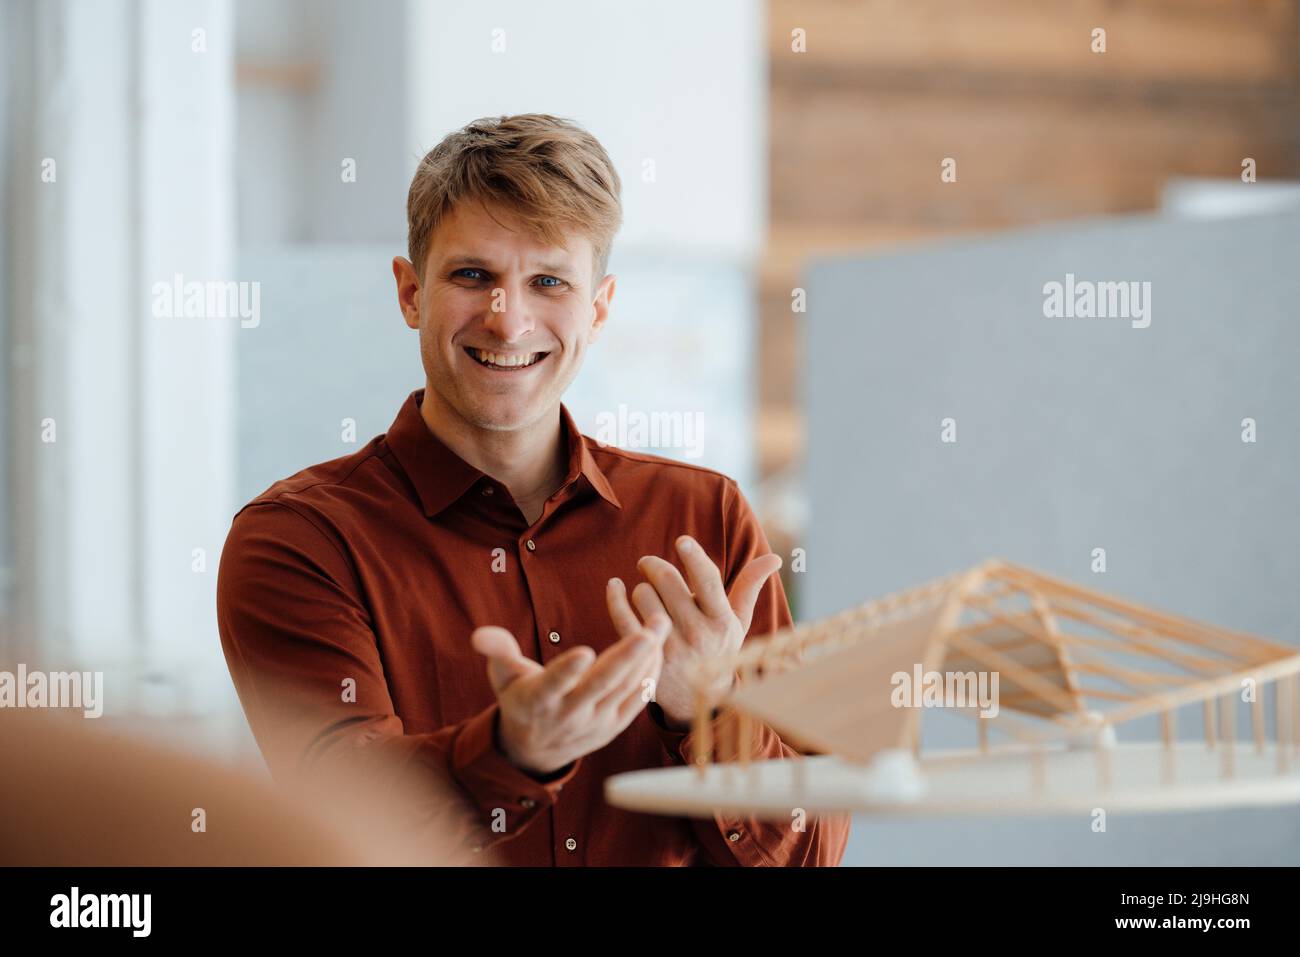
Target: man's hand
{"points": [[706, 620], [578, 702]]}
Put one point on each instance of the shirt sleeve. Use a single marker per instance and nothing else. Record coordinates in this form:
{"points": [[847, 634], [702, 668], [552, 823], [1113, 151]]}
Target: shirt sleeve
{"points": [[303, 655], [732, 840]]}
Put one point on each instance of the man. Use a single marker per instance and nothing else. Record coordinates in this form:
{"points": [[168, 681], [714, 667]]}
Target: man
{"points": [[454, 593]]}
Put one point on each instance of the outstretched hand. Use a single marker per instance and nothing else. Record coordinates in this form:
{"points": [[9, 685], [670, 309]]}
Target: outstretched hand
{"points": [[578, 702], [707, 620]]}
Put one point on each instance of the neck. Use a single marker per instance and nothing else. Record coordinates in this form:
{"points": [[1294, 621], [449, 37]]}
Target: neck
{"points": [[530, 462]]}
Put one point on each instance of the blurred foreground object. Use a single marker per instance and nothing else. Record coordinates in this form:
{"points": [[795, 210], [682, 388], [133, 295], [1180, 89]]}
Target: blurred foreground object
{"points": [[79, 796]]}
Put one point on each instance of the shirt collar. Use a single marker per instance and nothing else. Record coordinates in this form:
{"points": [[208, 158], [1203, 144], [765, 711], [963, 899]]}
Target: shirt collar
{"points": [[441, 477]]}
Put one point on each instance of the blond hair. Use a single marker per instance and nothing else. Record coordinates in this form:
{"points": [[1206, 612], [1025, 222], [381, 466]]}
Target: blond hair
{"points": [[548, 171]]}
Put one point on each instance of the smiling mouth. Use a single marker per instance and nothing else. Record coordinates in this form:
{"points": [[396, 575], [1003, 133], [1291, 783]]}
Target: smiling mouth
{"points": [[505, 361]]}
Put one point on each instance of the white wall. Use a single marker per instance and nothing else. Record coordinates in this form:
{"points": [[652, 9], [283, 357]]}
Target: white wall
{"points": [[109, 514], [1207, 198], [677, 82], [293, 138]]}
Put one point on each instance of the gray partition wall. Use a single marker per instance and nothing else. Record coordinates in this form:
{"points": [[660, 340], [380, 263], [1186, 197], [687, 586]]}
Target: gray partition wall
{"points": [[1123, 433]]}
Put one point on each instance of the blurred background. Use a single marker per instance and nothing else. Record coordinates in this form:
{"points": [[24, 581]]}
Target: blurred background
{"points": [[839, 218]]}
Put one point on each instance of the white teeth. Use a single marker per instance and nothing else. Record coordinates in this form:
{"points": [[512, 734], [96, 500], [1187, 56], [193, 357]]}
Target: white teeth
{"points": [[509, 361]]}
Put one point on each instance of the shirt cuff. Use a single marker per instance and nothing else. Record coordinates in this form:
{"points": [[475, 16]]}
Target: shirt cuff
{"points": [[497, 785], [677, 743]]}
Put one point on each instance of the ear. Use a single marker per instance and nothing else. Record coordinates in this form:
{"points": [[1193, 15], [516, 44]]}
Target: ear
{"points": [[408, 291], [600, 307]]}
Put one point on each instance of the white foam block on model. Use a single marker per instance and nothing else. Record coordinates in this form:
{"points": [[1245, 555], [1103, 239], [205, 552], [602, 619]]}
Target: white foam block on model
{"points": [[1095, 733], [892, 776]]}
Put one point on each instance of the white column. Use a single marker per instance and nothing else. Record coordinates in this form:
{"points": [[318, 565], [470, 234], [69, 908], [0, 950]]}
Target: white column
{"points": [[133, 110]]}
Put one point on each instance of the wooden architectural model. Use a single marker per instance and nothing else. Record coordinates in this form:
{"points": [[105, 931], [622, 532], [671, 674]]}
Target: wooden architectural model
{"points": [[1068, 665]]}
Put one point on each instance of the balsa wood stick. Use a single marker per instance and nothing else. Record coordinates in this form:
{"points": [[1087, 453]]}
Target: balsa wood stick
{"points": [[1191, 631], [1063, 656], [1167, 751], [962, 663], [1011, 727], [1140, 639], [1157, 625], [1281, 718], [703, 744], [1137, 680], [1108, 695], [1031, 682], [1295, 714], [1137, 642], [1229, 712], [1257, 717], [1228, 684], [1099, 643], [727, 739], [949, 615]]}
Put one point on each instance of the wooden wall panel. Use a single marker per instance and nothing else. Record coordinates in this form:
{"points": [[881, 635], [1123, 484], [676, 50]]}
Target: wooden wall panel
{"points": [[1041, 127], [848, 156], [1242, 42]]}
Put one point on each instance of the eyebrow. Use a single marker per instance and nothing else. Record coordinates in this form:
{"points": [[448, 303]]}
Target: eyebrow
{"points": [[562, 269]]}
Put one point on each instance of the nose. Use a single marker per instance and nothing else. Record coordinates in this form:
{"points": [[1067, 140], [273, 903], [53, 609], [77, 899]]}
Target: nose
{"points": [[509, 317]]}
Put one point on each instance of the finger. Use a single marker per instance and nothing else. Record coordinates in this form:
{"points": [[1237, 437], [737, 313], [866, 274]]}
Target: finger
{"points": [[505, 662], [648, 604], [661, 628], [650, 673], [748, 584], [705, 580], [620, 612], [670, 585], [562, 675], [629, 707], [625, 666], [624, 662]]}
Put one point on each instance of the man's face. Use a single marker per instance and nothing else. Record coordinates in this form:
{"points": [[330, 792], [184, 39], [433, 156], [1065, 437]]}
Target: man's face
{"points": [[492, 292]]}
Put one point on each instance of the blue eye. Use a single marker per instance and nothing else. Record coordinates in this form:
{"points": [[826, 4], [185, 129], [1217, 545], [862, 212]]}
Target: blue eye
{"points": [[558, 281], [464, 270]]}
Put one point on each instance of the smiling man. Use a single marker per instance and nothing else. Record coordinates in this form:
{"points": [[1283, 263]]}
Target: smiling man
{"points": [[453, 594]]}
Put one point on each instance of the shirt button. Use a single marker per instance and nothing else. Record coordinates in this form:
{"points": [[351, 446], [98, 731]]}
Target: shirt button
{"points": [[528, 802], [571, 844], [532, 546], [555, 637], [487, 490], [734, 836]]}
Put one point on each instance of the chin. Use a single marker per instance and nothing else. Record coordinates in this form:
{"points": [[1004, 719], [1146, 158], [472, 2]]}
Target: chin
{"points": [[498, 416]]}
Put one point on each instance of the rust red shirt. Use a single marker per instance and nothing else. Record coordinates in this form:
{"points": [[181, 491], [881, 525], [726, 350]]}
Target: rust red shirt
{"points": [[377, 566]]}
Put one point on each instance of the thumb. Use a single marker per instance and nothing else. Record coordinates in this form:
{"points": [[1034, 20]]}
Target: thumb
{"points": [[505, 661], [744, 592]]}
